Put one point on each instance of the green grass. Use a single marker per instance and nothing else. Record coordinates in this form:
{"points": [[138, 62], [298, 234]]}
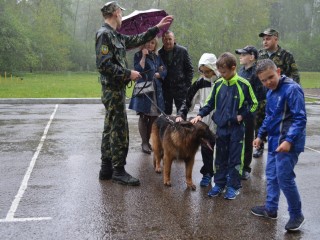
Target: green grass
{"points": [[51, 85], [80, 85], [310, 79]]}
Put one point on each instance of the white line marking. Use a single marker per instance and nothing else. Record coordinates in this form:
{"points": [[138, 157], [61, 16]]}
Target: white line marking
{"points": [[24, 184], [313, 149], [25, 219]]}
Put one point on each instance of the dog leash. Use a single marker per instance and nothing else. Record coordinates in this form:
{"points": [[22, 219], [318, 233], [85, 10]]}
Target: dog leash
{"points": [[173, 123], [145, 84], [152, 102]]}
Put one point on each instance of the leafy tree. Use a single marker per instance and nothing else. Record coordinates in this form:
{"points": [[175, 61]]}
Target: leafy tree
{"points": [[48, 35], [15, 46]]}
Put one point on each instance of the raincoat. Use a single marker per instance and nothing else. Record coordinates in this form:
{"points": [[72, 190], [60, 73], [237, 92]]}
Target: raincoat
{"points": [[142, 104], [201, 89], [285, 116]]}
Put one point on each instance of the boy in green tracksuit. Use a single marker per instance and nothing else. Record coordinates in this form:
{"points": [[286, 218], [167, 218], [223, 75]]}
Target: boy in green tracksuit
{"points": [[233, 100]]}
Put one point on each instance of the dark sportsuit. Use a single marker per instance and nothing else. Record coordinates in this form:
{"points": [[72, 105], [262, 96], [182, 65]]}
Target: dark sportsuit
{"points": [[229, 99], [114, 73], [179, 76], [260, 92]]}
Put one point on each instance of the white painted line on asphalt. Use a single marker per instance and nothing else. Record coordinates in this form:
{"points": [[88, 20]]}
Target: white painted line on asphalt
{"points": [[25, 219], [313, 149], [24, 183]]}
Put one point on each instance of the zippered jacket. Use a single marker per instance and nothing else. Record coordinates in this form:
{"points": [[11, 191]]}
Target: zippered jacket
{"points": [[179, 69], [286, 116], [230, 98], [250, 74]]}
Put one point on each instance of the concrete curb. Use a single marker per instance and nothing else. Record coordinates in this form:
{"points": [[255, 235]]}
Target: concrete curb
{"points": [[70, 101], [50, 101]]}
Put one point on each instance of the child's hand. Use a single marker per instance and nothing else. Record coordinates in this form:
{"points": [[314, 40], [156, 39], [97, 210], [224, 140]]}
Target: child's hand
{"points": [[256, 143], [179, 119], [196, 119], [239, 118], [284, 147]]}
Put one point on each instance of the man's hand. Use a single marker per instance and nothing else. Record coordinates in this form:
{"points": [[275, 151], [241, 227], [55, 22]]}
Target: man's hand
{"points": [[284, 147], [157, 75], [165, 21], [196, 119], [135, 75]]}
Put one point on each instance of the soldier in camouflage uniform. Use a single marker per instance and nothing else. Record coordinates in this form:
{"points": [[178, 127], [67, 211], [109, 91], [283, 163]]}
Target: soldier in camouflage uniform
{"points": [[114, 74], [283, 60]]}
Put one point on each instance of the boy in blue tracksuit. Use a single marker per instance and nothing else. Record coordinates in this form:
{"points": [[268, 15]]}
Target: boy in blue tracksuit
{"points": [[285, 125], [233, 100]]}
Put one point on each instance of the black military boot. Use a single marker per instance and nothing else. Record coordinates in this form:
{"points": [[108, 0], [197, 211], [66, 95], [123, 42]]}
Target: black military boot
{"points": [[106, 170], [122, 177]]}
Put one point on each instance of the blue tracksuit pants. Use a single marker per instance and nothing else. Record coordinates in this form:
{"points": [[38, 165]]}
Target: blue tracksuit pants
{"points": [[229, 155], [280, 175]]}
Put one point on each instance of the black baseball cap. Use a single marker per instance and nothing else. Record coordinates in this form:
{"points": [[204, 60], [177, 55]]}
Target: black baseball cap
{"points": [[249, 50], [269, 32]]}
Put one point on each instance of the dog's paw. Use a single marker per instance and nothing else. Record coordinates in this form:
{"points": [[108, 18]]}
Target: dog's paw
{"points": [[168, 184], [191, 187], [158, 169]]}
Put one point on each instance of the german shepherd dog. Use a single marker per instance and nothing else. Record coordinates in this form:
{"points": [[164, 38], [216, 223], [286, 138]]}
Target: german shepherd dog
{"points": [[181, 140]]}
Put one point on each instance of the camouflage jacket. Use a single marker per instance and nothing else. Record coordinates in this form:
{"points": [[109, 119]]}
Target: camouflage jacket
{"points": [[284, 60], [111, 59]]}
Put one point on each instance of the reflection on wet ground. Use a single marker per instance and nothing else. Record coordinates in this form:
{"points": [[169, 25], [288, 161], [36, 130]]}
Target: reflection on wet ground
{"points": [[64, 185]]}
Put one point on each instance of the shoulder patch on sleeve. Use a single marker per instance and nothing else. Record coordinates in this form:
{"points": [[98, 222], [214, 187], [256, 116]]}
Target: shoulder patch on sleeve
{"points": [[104, 50]]}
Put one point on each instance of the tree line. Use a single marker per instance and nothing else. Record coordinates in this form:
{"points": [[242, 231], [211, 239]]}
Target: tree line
{"points": [[46, 35]]}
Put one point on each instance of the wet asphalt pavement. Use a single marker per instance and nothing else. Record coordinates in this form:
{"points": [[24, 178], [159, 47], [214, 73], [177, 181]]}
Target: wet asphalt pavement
{"points": [[49, 187]]}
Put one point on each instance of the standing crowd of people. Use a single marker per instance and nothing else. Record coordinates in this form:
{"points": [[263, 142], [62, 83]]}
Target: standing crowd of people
{"points": [[260, 102]]}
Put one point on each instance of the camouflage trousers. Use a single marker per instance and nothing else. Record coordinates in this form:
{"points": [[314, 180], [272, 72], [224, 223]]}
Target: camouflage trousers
{"points": [[115, 137]]}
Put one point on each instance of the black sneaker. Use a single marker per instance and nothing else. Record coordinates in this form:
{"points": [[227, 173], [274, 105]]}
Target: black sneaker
{"points": [[261, 211], [258, 153], [295, 224], [124, 178]]}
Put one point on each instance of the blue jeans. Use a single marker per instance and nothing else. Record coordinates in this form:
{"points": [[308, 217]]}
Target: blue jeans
{"points": [[280, 175]]}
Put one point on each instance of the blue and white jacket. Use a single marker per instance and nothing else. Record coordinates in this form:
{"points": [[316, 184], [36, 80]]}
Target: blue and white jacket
{"points": [[286, 116], [230, 98]]}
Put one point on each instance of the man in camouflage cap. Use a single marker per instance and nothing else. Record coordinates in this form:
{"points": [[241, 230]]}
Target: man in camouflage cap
{"points": [[283, 60], [114, 74], [281, 57]]}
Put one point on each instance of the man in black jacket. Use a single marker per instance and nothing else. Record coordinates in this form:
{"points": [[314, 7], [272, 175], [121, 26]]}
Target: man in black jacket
{"points": [[179, 72]]}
